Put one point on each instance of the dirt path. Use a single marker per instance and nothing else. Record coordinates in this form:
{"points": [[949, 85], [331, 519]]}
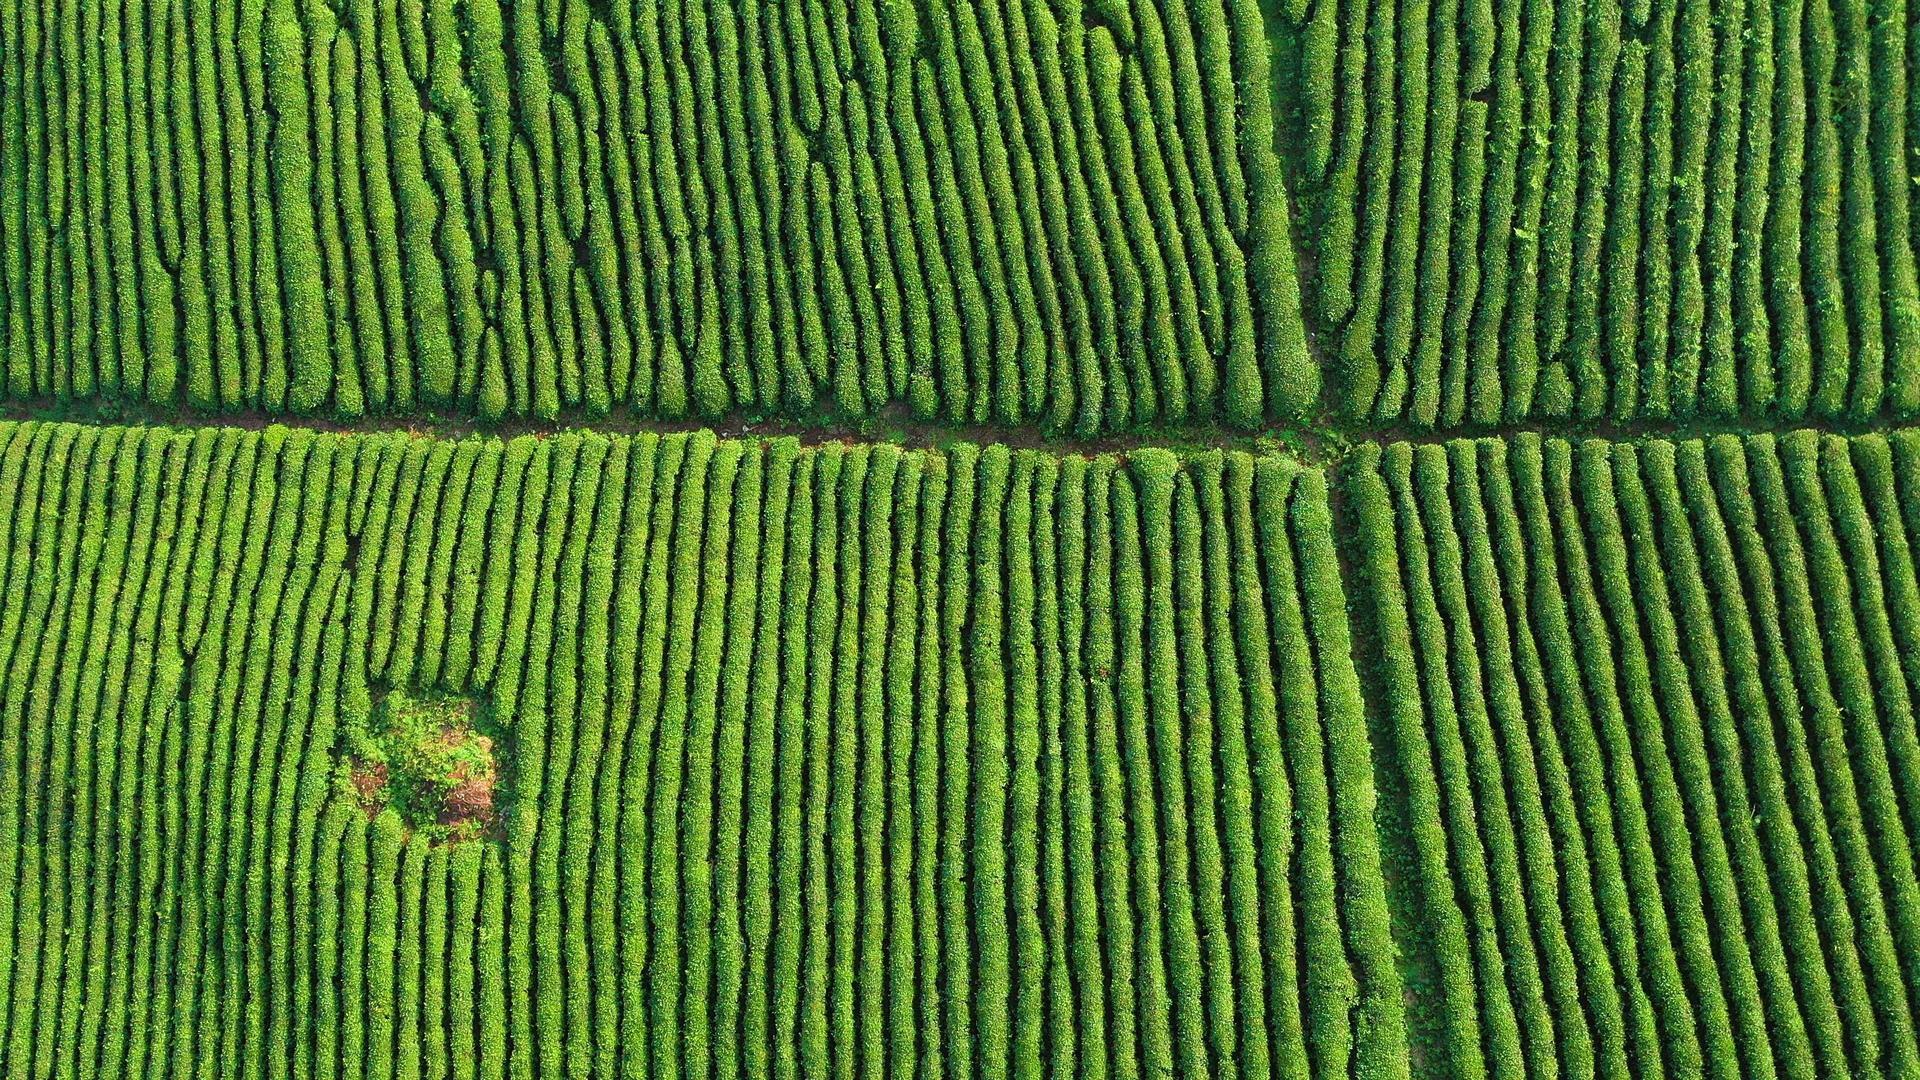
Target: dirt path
{"points": [[1322, 441]]}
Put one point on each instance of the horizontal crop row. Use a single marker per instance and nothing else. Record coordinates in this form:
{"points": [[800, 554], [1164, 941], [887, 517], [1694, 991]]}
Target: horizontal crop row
{"points": [[817, 762], [1015, 210], [1649, 711], [1602, 209]]}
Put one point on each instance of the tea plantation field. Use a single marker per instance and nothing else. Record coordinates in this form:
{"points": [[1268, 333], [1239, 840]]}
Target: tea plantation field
{"points": [[974, 539], [1576, 209], [814, 760], [1020, 210], [1649, 709]]}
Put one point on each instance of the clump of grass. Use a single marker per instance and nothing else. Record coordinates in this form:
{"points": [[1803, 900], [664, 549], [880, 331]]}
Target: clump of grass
{"points": [[429, 761]]}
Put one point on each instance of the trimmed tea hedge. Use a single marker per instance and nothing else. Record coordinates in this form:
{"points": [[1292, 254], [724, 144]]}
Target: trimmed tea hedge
{"points": [[1016, 211], [819, 761]]}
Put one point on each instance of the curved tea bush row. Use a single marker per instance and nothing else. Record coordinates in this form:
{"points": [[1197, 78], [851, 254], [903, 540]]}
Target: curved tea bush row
{"points": [[1651, 708], [813, 761], [1012, 210], [1587, 209]]}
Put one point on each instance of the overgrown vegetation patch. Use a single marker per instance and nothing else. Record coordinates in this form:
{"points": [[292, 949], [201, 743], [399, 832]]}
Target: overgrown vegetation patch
{"points": [[430, 760]]}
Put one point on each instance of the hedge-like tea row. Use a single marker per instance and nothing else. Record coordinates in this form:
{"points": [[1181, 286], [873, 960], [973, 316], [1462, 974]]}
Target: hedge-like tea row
{"points": [[1016, 210], [1650, 710], [818, 762], [1649, 209]]}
